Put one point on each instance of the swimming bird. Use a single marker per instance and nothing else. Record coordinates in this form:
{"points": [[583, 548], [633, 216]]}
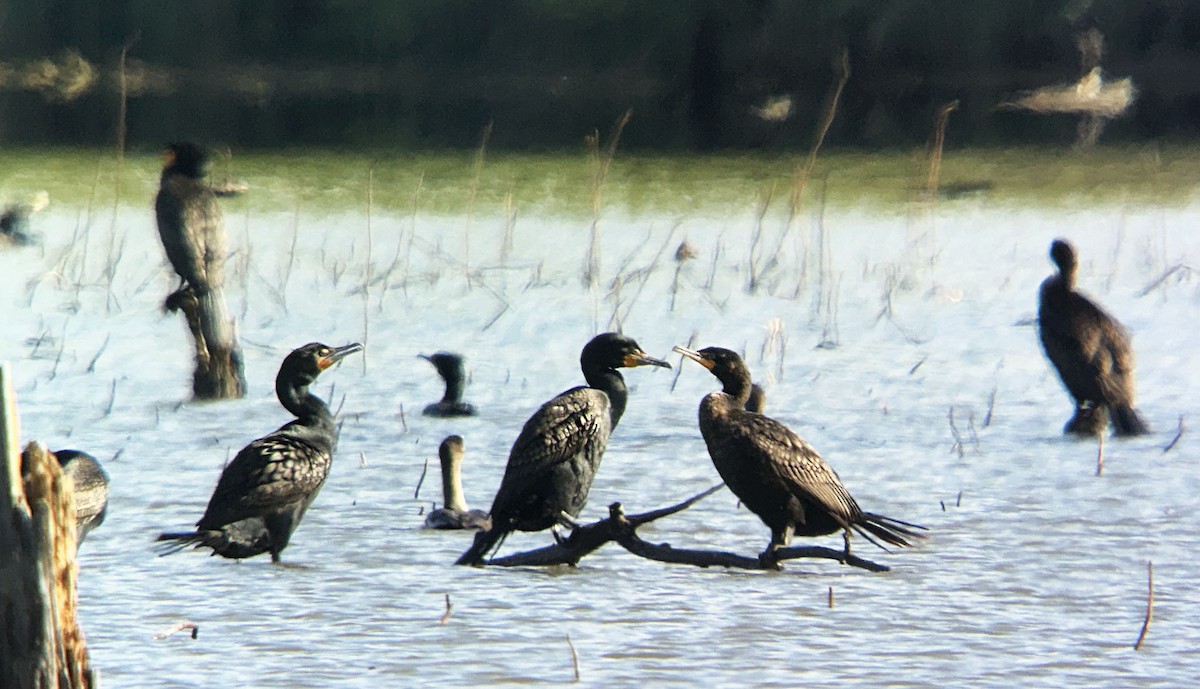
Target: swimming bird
{"points": [[14, 220], [1089, 349], [91, 490], [554, 459], [450, 368], [275, 478], [454, 514], [774, 472], [189, 219]]}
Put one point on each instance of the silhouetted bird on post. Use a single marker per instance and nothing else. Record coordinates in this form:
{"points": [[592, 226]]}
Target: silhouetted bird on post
{"points": [[774, 472], [450, 368], [554, 459], [264, 492], [1089, 349]]}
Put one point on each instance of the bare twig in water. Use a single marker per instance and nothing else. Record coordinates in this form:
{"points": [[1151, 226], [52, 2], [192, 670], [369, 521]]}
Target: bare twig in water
{"points": [[1100, 456], [939, 141], [1137, 646], [112, 399], [123, 91], [1175, 441], [987, 418], [602, 162], [420, 481], [958, 442], [679, 369], [92, 366], [831, 598], [403, 421], [1156, 282], [446, 615], [574, 658], [179, 627]]}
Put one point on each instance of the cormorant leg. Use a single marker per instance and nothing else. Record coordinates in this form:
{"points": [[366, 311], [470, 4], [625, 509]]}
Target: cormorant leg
{"points": [[846, 552], [564, 520]]}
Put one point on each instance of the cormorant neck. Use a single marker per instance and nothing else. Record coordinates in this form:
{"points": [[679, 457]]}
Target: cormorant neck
{"points": [[613, 384], [454, 389], [452, 490], [1066, 276], [307, 407], [738, 389]]}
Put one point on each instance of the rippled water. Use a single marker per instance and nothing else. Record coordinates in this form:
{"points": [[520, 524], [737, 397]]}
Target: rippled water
{"points": [[1036, 576]]}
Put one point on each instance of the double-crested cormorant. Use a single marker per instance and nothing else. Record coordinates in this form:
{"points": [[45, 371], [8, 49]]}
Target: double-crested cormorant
{"points": [[774, 472], [264, 492], [91, 489], [454, 514], [450, 368], [189, 219], [1090, 350], [14, 220], [554, 459]]}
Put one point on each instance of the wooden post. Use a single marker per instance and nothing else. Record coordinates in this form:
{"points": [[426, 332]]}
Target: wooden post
{"points": [[42, 644]]}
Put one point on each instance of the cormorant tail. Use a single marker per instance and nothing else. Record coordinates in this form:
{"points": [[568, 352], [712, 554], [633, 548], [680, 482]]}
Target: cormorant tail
{"points": [[485, 543], [1126, 422], [890, 531], [174, 542]]}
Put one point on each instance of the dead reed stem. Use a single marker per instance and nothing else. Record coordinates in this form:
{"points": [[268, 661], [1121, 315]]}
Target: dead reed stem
{"points": [[601, 162], [366, 286], [935, 152], [123, 95], [446, 615], [574, 658], [1137, 646], [1100, 456], [1178, 435], [480, 154]]}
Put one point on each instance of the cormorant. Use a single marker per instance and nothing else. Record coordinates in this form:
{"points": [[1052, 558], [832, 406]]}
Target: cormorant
{"points": [[554, 459], [14, 220], [1090, 350], [450, 368], [454, 514], [774, 472], [264, 492], [91, 490], [189, 219]]}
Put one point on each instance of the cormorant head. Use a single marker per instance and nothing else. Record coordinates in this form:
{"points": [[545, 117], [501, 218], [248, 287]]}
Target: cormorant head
{"points": [[448, 364], [186, 158], [614, 350], [451, 450], [725, 364], [306, 363], [1063, 255]]}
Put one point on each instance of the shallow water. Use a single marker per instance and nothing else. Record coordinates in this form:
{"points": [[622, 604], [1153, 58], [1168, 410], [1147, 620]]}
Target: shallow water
{"points": [[1035, 572]]}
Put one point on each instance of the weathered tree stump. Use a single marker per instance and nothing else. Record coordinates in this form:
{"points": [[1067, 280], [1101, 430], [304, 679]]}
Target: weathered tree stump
{"points": [[42, 644], [219, 372]]}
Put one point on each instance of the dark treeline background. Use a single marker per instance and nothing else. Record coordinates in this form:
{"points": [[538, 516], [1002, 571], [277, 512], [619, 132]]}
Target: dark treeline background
{"points": [[431, 73]]}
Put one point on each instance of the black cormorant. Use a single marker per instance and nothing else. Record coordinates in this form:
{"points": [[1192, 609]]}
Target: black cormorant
{"points": [[454, 514], [264, 492], [450, 368], [554, 459], [1090, 350], [189, 219], [91, 489], [774, 472], [14, 220]]}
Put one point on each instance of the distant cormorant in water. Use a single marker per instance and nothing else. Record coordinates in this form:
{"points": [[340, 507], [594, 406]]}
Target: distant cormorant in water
{"points": [[454, 514], [189, 219], [554, 459], [774, 472], [264, 492], [14, 220], [450, 368], [1090, 350], [91, 490]]}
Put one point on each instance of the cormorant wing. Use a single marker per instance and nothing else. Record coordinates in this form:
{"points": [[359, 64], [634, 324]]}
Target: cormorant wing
{"points": [[192, 230], [1089, 348], [269, 474]]}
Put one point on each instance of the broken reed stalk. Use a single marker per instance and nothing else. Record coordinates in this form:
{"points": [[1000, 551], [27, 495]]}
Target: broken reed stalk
{"points": [[123, 94], [574, 658], [366, 286], [43, 644], [831, 598], [446, 615], [753, 260], [939, 141], [1178, 435], [1100, 456], [480, 154], [601, 162], [1137, 646]]}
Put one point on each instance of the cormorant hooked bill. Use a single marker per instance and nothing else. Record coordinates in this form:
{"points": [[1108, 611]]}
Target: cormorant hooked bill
{"points": [[454, 514], [1089, 349], [450, 368], [774, 472], [264, 492], [554, 459]]}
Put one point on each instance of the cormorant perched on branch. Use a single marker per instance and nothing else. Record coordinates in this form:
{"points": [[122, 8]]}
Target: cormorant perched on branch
{"points": [[189, 219], [450, 368], [774, 472], [91, 490], [276, 477], [552, 463], [1090, 350], [454, 514]]}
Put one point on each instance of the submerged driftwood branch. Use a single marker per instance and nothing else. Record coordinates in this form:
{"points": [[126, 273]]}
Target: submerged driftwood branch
{"points": [[622, 529]]}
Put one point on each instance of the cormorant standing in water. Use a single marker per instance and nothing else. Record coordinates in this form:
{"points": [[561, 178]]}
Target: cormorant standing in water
{"points": [[264, 492], [554, 459], [450, 368], [91, 490], [189, 219], [1090, 350], [454, 514], [774, 472]]}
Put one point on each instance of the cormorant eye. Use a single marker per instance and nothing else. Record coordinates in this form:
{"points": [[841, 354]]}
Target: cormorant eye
{"points": [[324, 351]]}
